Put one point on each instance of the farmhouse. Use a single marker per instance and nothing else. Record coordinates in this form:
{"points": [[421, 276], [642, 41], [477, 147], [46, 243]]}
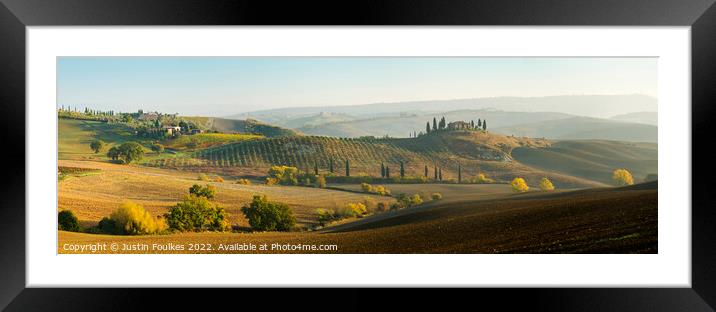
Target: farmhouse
{"points": [[458, 125], [172, 130]]}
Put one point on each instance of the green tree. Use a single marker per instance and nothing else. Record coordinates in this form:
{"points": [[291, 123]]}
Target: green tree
{"points": [[440, 174], [157, 148], [387, 172], [67, 221], [479, 123], [197, 213], [268, 216], [427, 128], [402, 170], [426, 171], [442, 125], [113, 153], [97, 146], [131, 151], [484, 125], [382, 170], [435, 124], [348, 169], [208, 191], [315, 167], [435, 169], [330, 165]]}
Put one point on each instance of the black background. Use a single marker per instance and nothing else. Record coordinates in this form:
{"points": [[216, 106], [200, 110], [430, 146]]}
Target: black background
{"points": [[15, 15]]}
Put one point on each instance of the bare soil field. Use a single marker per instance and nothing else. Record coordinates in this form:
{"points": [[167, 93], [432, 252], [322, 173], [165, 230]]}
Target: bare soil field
{"points": [[607, 220]]}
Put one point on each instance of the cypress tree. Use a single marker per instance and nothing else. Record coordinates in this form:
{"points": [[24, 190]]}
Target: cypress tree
{"points": [[402, 170], [387, 172], [436, 171], [348, 169], [484, 125], [435, 124], [426, 171], [472, 124], [479, 123], [440, 174], [427, 128], [330, 165], [382, 170], [315, 167]]}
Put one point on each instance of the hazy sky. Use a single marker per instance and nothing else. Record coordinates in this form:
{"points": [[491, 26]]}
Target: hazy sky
{"points": [[228, 85]]}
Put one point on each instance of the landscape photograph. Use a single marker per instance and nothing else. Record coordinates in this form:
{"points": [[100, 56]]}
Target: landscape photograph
{"points": [[357, 155]]}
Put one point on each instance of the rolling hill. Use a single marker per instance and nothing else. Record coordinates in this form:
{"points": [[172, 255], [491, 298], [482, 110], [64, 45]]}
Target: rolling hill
{"points": [[403, 125], [591, 159], [649, 118], [577, 128], [248, 126], [598, 106]]}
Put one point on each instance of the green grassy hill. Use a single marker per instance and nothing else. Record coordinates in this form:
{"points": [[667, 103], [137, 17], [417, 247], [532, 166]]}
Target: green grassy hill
{"points": [[566, 163]]}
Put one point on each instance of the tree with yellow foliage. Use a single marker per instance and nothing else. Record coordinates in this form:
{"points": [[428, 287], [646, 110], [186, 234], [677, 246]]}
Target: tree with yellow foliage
{"points": [[622, 177], [519, 185], [546, 185]]}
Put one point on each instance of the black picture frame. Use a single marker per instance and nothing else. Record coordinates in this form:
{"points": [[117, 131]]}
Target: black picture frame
{"points": [[700, 15]]}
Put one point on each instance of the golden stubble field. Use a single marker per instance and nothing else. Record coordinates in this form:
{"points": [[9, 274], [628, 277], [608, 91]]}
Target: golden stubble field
{"points": [[96, 196]]}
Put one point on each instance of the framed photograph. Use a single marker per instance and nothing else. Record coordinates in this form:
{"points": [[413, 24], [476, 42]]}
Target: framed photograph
{"points": [[422, 144]]}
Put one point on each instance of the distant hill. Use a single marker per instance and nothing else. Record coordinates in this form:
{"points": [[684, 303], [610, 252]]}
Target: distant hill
{"points": [[584, 128], [599, 106], [248, 126], [649, 118], [314, 120], [403, 126]]}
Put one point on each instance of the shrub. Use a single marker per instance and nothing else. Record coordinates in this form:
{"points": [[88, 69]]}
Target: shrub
{"points": [[243, 182], [519, 185], [415, 200], [204, 177], [358, 209], [325, 216], [284, 175], [397, 206], [97, 146], [436, 196], [218, 179], [622, 177], [271, 181], [67, 221], [381, 190], [366, 187], [132, 219], [268, 216], [321, 181], [207, 191], [546, 185], [482, 178], [197, 213]]}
